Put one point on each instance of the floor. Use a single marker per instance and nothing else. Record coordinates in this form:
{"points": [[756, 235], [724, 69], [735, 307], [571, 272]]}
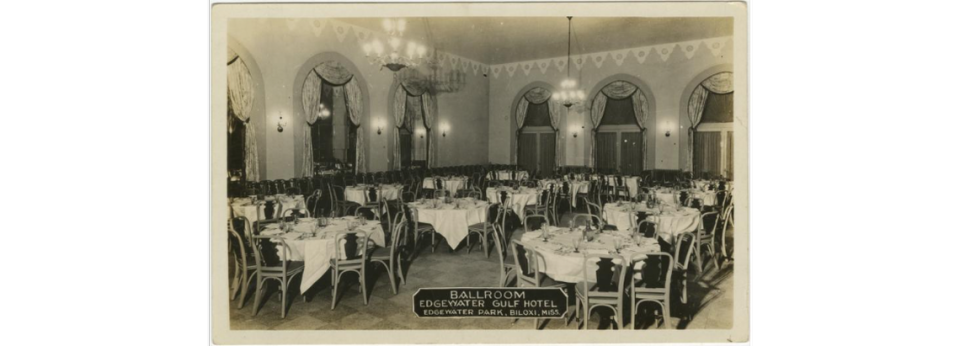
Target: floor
{"points": [[710, 303]]}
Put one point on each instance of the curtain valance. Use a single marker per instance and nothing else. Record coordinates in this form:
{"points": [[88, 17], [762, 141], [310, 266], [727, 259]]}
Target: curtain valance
{"points": [[619, 90], [537, 95], [720, 83]]}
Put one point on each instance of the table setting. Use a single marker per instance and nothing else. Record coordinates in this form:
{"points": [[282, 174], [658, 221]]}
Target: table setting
{"points": [[576, 186], [506, 175], [248, 206], [563, 249], [358, 193], [451, 183], [451, 216], [670, 218], [519, 198], [311, 240]]}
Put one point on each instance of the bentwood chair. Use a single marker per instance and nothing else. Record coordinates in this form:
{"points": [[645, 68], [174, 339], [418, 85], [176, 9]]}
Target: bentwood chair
{"points": [[706, 236], [350, 257], [727, 224], [244, 262], [651, 284], [528, 274], [273, 265], [391, 257], [294, 214], [313, 203], [684, 247], [594, 221], [504, 253], [606, 291], [543, 204], [596, 211], [619, 188], [343, 206], [484, 229], [420, 229], [373, 198]]}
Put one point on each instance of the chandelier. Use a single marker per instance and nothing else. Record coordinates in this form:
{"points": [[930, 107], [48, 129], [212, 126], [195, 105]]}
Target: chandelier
{"points": [[569, 93], [391, 57]]}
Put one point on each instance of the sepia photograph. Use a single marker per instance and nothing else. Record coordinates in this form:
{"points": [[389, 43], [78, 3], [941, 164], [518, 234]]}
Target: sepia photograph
{"points": [[558, 172]]}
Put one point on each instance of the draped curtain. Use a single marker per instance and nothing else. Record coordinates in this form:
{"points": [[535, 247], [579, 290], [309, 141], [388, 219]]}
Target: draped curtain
{"points": [[429, 100], [335, 74], [720, 83], [540, 95], [399, 110], [419, 97], [619, 90], [240, 97]]}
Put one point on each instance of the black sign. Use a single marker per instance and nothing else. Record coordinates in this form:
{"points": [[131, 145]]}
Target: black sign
{"points": [[490, 302]]}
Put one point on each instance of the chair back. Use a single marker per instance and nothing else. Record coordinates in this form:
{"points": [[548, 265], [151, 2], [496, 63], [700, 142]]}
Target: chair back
{"points": [[351, 248], [708, 225], [646, 227], [437, 184], [294, 214], [684, 244], [267, 256], [595, 221], [269, 209], [652, 280], [313, 203], [526, 260], [372, 195], [540, 220]]}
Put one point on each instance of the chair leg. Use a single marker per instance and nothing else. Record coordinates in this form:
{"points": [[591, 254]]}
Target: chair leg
{"points": [[283, 298], [333, 286], [393, 283], [256, 296], [363, 286], [433, 241], [246, 286], [666, 313], [483, 242]]}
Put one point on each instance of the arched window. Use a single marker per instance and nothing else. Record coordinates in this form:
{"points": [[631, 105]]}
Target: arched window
{"points": [[710, 144], [333, 103], [538, 122], [619, 113], [413, 112]]}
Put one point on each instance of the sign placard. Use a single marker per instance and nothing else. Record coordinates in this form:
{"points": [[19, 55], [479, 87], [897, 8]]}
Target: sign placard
{"points": [[528, 302]]}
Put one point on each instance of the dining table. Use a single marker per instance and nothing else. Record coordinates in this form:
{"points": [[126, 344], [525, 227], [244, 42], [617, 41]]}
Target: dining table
{"points": [[670, 219], [307, 241], [359, 193], [452, 183], [452, 219], [518, 199], [576, 186], [562, 250], [250, 209]]}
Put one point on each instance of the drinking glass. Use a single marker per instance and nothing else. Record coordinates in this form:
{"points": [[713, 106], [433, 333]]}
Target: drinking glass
{"points": [[576, 244]]}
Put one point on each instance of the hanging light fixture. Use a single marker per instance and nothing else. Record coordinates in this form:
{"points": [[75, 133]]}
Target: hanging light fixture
{"points": [[569, 93], [394, 57], [323, 112]]}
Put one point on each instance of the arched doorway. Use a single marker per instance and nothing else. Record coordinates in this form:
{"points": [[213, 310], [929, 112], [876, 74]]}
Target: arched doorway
{"points": [[332, 104], [538, 123]]}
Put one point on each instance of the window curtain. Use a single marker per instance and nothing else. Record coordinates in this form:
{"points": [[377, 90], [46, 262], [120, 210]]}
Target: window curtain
{"points": [[640, 111], [596, 114], [429, 118], [707, 161], [555, 107], [337, 75], [720, 83], [355, 108], [399, 110], [240, 97]]}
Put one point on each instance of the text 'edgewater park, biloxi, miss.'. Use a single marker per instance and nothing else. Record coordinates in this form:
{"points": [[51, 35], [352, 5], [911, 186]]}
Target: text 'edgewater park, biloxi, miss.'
{"points": [[490, 302]]}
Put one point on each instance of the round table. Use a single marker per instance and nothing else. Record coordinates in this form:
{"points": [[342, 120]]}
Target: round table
{"points": [[358, 193], [451, 219], [519, 198], [562, 263], [316, 247], [248, 209], [670, 221], [451, 184]]}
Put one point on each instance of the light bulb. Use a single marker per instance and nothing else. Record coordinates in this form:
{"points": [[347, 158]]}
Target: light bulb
{"points": [[395, 43]]}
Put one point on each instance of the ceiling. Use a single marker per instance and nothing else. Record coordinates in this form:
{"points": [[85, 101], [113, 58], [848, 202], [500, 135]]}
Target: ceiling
{"points": [[497, 40]]}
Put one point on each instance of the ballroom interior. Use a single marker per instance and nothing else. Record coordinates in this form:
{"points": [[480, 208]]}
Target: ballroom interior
{"points": [[480, 152]]}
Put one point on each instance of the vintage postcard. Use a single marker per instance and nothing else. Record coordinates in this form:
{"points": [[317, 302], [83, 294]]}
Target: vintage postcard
{"points": [[479, 173]]}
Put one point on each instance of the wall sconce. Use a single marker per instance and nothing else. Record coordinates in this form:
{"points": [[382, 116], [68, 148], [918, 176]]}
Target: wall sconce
{"points": [[443, 129], [420, 132], [379, 123], [281, 124], [573, 131], [667, 134]]}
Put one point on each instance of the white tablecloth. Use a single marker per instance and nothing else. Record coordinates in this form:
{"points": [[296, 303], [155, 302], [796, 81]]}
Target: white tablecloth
{"points": [[317, 252], [451, 184], [562, 264], [506, 175], [358, 193], [243, 206], [452, 222], [576, 186], [709, 198], [669, 223], [519, 198]]}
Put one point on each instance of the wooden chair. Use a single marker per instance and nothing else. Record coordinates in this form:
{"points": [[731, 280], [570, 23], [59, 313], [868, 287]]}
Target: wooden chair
{"points": [[595, 210], [606, 291], [343, 206], [420, 229], [651, 283], [706, 236], [594, 220], [244, 262], [727, 224], [350, 257], [485, 228], [313, 203], [504, 253], [273, 265], [684, 248], [391, 257], [543, 205], [528, 274]]}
